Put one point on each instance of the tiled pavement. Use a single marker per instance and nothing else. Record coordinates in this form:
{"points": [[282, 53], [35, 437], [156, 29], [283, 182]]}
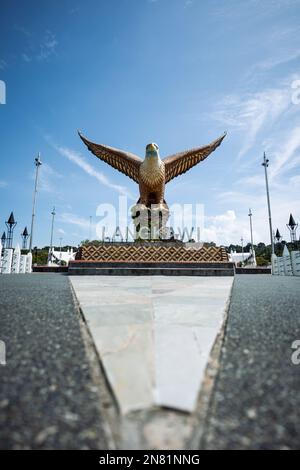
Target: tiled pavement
{"points": [[153, 334]]}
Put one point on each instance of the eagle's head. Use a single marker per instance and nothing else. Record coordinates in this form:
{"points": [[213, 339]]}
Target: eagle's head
{"points": [[152, 150]]}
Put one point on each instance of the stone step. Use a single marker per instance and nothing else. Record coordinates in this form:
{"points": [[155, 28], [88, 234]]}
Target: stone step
{"points": [[150, 271], [257, 270], [153, 264]]}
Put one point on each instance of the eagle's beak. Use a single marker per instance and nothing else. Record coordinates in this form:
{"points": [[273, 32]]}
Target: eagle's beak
{"points": [[151, 147]]}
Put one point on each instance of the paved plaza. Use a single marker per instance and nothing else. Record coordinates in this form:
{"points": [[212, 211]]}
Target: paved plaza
{"points": [[256, 400], [48, 398], [86, 353]]}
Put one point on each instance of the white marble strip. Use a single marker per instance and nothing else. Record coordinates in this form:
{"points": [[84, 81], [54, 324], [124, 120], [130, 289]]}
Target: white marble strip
{"points": [[119, 315], [154, 334], [186, 322]]}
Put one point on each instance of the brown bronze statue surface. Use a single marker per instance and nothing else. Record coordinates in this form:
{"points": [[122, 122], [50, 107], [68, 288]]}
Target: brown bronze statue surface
{"points": [[152, 173]]}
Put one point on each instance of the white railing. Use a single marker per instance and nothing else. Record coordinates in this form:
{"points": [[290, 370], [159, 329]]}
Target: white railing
{"points": [[286, 265], [295, 256], [12, 261]]}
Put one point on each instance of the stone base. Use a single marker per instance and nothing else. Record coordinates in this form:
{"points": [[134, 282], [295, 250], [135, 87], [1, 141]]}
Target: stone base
{"points": [[49, 269], [159, 258], [258, 270], [155, 252], [125, 269]]}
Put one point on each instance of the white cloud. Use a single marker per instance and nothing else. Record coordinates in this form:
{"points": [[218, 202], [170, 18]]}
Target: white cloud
{"points": [[48, 178], [253, 112], [237, 10], [22, 29], [48, 46], [76, 158], [229, 226], [225, 228], [272, 62], [26, 57], [3, 64], [264, 121], [294, 181], [285, 198], [39, 50], [73, 219], [252, 181], [3, 184], [285, 153]]}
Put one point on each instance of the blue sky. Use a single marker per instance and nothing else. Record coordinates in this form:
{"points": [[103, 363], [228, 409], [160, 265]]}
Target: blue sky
{"points": [[128, 72]]}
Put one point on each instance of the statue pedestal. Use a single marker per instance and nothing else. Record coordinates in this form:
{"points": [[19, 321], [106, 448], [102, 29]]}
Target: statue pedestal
{"points": [[151, 258], [150, 223]]}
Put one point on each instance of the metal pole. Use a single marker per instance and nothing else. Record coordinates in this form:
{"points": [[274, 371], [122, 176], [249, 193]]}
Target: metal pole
{"points": [[242, 241], [37, 164], [60, 242], [266, 164], [251, 231], [52, 228]]}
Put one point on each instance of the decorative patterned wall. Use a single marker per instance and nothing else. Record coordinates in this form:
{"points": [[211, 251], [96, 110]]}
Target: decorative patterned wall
{"points": [[147, 253]]}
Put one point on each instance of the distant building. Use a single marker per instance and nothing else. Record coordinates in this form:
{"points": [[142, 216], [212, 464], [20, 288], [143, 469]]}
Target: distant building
{"points": [[245, 257], [61, 257]]}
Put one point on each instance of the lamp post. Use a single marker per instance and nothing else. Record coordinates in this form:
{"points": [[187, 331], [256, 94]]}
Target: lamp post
{"points": [[251, 235], [37, 162], [292, 226], [10, 224], [24, 236], [2, 244], [251, 230], [242, 241], [51, 239], [3, 240], [277, 239], [277, 236], [265, 164], [60, 243]]}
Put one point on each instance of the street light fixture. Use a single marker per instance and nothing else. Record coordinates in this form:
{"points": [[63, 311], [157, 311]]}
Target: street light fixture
{"points": [[292, 226], [242, 241], [277, 236], [24, 236], [10, 224], [37, 162], [53, 213], [265, 164], [3, 241]]}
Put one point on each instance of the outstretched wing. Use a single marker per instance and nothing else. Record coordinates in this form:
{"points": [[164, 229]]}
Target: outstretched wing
{"points": [[125, 162], [179, 163]]}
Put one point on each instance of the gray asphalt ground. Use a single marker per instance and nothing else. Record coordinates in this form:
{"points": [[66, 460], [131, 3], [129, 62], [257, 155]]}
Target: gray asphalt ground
{"points": [[47, 395], [256, 401]]}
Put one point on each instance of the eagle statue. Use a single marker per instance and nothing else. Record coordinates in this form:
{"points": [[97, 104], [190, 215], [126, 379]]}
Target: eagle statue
{"points": [[152, 173]]}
